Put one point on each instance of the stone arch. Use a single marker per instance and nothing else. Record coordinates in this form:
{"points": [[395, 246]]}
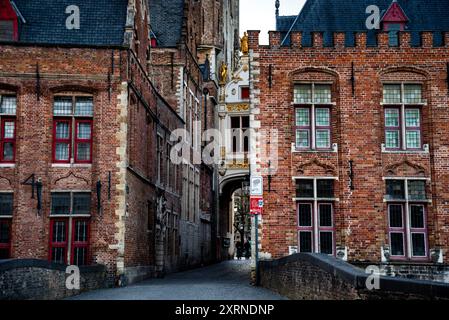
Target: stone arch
{"points": [[71, 181]]}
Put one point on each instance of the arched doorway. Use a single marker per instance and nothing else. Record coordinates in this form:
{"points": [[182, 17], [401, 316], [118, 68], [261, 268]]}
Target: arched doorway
{"points": [[234, 223]]}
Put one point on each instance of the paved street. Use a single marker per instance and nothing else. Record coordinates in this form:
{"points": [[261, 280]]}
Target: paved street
{"points": [[225, 281]]}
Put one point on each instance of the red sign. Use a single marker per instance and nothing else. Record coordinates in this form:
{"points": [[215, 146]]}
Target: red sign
{"points": [[256, 205]]}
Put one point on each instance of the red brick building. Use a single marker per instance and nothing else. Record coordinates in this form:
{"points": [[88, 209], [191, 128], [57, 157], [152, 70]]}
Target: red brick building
{"points": [[362, 166], [84, 172]]}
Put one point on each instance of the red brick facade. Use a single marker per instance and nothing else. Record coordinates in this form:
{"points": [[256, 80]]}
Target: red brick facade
{"points": [[356, 76], [125, 227]]}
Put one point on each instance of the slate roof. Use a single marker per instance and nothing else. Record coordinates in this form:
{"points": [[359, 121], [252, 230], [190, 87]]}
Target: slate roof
{"points": [[166, 18], [102, 22], [349, 16]]}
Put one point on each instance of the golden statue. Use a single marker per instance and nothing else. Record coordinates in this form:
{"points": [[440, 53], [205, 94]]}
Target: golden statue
{"points": [[244, 44], [223, 72]]}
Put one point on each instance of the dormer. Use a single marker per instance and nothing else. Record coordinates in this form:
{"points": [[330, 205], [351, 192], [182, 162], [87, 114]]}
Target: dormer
{"points": [[393, 21], [9, 29]]}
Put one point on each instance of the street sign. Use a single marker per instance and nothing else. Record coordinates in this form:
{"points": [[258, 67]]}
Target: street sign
{"points": [[256, 205], [256, 186]]}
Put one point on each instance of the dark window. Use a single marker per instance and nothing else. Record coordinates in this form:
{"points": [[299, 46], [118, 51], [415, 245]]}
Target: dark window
{"points": [[325, 211], [395, 189], [417, 216], [416, 189], [393, 34], [397, 244], [396, 216], [418, 245], [326, 242], [6, 204], [305, 215], [81, 203], [305, 241], [5, 238], [325, 188], [240, 134], [304, 188], [60, 203]]}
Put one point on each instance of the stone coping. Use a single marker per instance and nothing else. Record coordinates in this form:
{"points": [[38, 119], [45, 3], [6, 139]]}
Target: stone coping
{"points": [[356, 277], [10, 264]]}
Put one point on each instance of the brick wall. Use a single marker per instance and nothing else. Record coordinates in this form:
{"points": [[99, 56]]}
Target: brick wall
{"points": [[357, 129]]}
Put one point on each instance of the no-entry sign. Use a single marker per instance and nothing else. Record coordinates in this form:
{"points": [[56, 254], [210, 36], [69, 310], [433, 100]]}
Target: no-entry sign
{"points": [[256, 205]]}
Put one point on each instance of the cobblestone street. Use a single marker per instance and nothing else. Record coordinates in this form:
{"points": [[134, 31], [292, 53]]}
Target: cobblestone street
{"points": [[229, 280]]}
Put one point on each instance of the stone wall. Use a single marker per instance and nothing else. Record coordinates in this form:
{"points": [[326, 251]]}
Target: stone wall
{"points": [[31, 279], [321, 277]]}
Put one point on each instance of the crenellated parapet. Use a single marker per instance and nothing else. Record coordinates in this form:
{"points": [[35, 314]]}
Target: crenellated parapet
{"points": [[343, 40]]}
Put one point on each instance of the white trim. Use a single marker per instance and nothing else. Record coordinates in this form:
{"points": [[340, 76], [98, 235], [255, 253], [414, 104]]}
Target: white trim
{"points": [[315, 177]]}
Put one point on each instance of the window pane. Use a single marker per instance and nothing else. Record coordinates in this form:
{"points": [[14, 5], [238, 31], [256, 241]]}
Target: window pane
{"points": [[62, 106], [412, 93], [416, 189], [81, 231], [322, 117], [392, 139], [392, 93], [323, 138], [62, 151], [9, 105], [413, 139], [395, 189], [8, 129], [417, 217], [397, 244], [305, 241], [62, 130], [418, 244], [59, 232], [393, 38], [84, 106], [325, 215], [305, 215], [83, 152], [235, 122], [302, 117], [5, 231], [302, 139], [325, 188], [8, 151], [304, 188], [322, 94], [412, 118], [245, 122], [84, 130], [395, 213], [245, 93], [326, 245], [303, 93], [80, 256], [391, 117], [60, 203], [58, 255], [6, 204], [81, 203]]}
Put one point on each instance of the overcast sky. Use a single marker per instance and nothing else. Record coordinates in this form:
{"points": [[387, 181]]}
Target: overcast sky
{"points": [[260, 15]]}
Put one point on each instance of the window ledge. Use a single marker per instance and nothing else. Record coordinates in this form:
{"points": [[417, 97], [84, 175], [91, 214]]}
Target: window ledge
{"points": [[424, 150], [7, 165], [71, 165], [5, 217], [333, 150], [70, 215], [317, 199], [409, 201]]}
